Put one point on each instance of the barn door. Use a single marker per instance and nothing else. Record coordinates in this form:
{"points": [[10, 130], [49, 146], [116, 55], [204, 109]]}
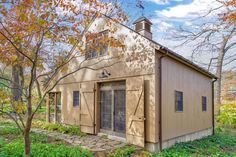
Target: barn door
{"points": [[135, 111], [87, 121]]}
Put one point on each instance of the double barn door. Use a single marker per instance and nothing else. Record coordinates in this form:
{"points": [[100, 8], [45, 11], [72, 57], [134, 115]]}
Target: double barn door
{"points": [[121, 109], [112, 108]]}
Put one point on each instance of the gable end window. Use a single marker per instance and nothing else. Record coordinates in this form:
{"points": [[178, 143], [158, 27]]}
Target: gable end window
{"points": [[97, 45], [204, 103], [76, 98], [178, 101]]}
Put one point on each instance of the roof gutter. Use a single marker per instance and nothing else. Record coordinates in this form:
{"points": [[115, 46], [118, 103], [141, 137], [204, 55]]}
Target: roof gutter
{"points": [[188, 63], [160, 104]]}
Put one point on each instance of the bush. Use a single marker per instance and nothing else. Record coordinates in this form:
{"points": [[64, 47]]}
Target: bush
{"points": [[9, 130], [2, 142], [38, 138], [65, 129], [123, 151], [227, 116]]}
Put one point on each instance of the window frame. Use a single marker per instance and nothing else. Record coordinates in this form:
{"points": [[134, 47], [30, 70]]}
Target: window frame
{"points": [[91, 53], [176, 101], [204, 104], [79, 99]]}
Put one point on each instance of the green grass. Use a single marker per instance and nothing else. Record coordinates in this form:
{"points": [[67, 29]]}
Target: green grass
{"points": [[219, 145], [123, 151]]}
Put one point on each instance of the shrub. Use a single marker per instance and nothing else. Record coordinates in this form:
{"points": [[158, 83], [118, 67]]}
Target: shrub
{"points": [[2, 142], [227, 116], [65, 129], [38, 138], [123, 151], [9, 130]]}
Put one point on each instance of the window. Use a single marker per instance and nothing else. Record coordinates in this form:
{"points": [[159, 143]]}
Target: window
{"points": [[76, 98], [204, 103], [97, 45], [148, 27], [138, 26], [178, 101]]}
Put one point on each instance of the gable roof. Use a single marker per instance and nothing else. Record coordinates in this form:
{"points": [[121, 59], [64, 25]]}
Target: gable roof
{"points": [[171, 53], [187, 62], [178, 57], [182, 59]]}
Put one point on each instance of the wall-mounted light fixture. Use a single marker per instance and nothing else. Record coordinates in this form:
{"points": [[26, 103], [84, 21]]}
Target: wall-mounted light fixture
{"points": [[104, 74]]}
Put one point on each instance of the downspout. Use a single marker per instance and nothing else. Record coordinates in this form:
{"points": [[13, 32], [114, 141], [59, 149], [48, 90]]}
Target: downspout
{"points": [[94, 105], [213, 106], [160, 99], [160, 104]]}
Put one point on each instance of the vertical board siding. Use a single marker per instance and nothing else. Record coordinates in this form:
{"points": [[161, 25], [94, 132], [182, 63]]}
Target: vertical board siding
{"points": [[194, 85]]}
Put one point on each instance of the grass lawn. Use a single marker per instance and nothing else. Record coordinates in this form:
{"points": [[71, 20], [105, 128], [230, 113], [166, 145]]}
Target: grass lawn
{"points": [[223, 144]]}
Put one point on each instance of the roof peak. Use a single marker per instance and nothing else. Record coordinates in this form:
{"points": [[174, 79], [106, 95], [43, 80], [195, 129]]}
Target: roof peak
{"points": [[142, 18]]}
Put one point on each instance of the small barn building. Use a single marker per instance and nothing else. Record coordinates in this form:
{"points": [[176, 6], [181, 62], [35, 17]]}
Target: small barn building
{"points": [[154, 100]]}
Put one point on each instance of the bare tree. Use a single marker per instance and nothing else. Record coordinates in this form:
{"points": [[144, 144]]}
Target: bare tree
{"points": [[39, 39], [210, 36]]}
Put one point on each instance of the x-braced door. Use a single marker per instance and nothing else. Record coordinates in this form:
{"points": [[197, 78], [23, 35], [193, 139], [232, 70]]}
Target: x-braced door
{"points": [[135, 129], [87, 108]]}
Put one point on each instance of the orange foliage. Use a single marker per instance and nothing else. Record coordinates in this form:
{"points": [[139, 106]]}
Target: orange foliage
{"points": [[230, 16], [30, 27]]}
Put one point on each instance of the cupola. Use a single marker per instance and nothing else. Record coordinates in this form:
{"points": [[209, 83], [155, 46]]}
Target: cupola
{"points": [[143, 26]]}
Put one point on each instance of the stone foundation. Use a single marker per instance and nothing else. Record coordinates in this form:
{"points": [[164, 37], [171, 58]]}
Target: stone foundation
{"points": [[154, 147]]}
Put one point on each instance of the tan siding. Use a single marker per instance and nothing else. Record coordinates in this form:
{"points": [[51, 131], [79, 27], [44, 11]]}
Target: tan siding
{"points": [[142, 66], [176, 76], [70, 114], [150, 108]]}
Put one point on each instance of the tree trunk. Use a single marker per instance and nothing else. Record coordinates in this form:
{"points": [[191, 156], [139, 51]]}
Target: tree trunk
{"points": [[218, 74], [17, 82], [16, 92], [27, 130], [27, 142], [39, 92]]}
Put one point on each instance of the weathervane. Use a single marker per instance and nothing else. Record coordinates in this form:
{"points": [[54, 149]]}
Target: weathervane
{"points": [[140, 5]]}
